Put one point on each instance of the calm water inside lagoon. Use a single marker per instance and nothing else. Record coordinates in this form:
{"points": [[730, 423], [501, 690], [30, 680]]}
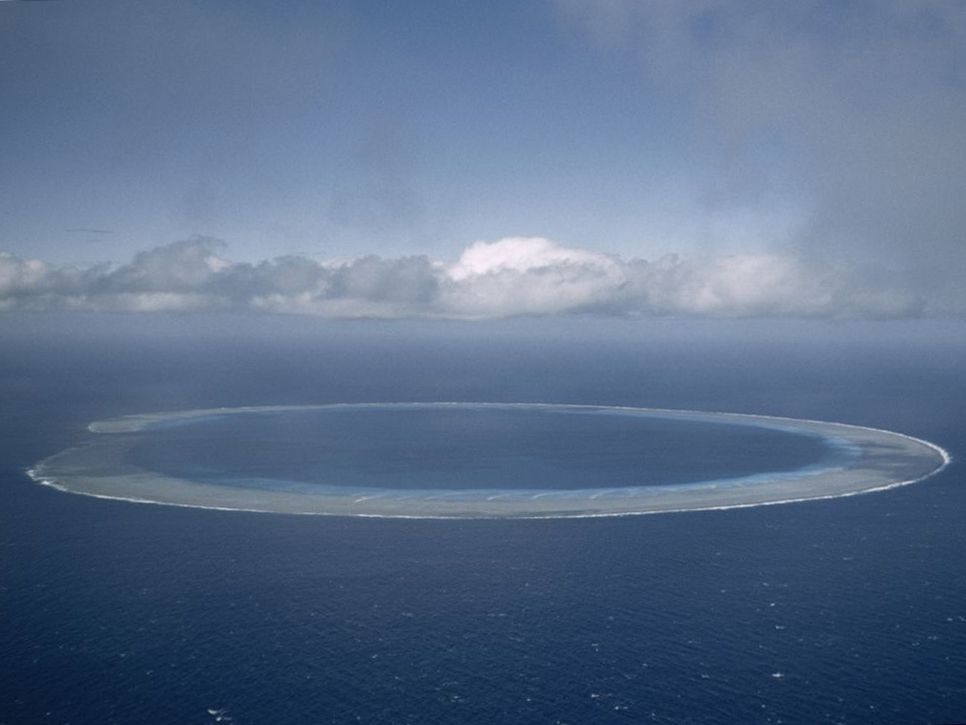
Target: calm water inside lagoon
{"points": [[465, 448]]}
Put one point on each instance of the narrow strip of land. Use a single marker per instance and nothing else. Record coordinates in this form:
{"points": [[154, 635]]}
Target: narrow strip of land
{"points": [[877, 460]]}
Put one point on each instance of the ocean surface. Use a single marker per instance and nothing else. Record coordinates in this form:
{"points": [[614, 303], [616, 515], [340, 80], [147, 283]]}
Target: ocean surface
{"points": [[849, 611]]}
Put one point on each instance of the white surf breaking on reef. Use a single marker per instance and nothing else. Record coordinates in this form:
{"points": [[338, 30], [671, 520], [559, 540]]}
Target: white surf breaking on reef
{"points": [[907, 460]]}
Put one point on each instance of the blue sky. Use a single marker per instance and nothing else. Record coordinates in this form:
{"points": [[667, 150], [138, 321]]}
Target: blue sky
{"points": [[831, 135]]}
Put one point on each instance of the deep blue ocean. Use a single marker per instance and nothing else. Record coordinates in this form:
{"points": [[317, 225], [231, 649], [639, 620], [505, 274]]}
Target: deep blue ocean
{"points": [[850, 610]]}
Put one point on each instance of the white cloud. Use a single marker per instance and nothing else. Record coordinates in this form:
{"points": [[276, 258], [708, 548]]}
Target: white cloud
{"points": [[521, 254], [529, 276], [855, 111], [510, 277]]}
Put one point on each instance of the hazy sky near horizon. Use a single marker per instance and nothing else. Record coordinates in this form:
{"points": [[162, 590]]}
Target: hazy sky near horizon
{"points": [[462, 159]]}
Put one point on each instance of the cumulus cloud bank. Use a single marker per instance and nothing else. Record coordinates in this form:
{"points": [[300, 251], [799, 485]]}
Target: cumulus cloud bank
{"points": [[510, 277]]}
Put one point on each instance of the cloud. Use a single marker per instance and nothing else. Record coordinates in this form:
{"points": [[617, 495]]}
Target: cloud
{"points": [[506, 278], [857, 111]]}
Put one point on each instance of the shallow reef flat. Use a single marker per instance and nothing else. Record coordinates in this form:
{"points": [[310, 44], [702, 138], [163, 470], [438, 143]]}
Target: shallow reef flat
{"points": [[861, 460]]}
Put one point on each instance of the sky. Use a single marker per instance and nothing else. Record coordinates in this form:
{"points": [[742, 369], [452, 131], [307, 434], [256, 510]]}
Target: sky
{"points": [[478, 160]]}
